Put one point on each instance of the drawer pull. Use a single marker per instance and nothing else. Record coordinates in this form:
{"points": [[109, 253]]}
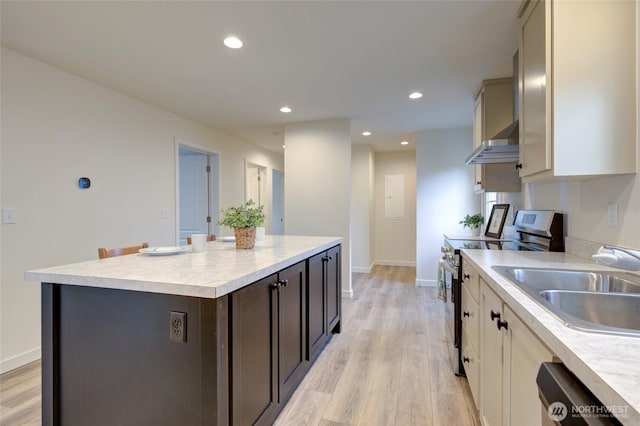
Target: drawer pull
{"points": [[465, 314], [466, 276], [503, 324], [495, 315], [466, 359]]}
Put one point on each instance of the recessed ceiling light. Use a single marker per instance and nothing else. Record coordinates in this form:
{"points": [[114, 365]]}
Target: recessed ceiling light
{"points": [[415, 95], [233, 42], [285, 109], [366, 133], [284, 146], [404, 143]]}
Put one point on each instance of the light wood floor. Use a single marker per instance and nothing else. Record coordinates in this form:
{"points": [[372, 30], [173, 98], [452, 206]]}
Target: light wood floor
{"points": [[389, 366]]}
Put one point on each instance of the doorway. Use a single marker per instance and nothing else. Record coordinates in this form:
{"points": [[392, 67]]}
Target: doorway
{"points": [[256, 183], [277, 188], [198, 192]]}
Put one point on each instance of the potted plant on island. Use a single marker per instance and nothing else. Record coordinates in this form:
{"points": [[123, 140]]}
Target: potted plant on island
{"points": [[243, 219], [473, 222]]}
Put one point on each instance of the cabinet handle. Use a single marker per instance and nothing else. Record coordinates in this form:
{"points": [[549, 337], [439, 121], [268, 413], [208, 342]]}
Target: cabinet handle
{"points": [[518, 166], [283, 283], [466, 276], [275, 286], [465, 314], [503, 324], [465, 359], [495, 315], [478, 182]]}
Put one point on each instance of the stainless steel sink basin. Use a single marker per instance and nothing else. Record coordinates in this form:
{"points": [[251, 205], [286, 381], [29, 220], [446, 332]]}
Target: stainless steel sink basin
{"points": [[597, 301], [572, 279], [607, 312]]}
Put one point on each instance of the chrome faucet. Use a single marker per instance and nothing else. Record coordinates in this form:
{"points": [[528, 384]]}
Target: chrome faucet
{"points": [[629, 259]]}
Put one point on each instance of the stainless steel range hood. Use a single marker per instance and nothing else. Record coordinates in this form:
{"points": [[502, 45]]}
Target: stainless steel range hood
{"points": [[502, 148]]}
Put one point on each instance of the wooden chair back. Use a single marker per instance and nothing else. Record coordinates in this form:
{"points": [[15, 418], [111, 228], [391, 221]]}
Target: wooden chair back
{"points": [[104, 253], [210, 237]]}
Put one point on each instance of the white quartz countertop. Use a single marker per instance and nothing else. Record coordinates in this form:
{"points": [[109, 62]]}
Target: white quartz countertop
{"points": [[217, 271], [609, 365]]}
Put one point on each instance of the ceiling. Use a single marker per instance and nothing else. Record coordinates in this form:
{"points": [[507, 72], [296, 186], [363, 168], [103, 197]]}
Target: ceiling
{"points": [[325, 59]]}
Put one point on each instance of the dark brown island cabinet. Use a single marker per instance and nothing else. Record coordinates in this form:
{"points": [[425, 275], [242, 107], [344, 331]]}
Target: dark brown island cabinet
{"points": [[121, 357]]}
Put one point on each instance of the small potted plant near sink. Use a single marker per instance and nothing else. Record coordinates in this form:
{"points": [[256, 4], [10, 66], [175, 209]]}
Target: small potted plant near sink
{"points": [[243, 219], [473, 222]]}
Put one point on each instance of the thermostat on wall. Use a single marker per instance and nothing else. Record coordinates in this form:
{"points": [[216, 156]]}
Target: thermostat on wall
{"points": [[84, 182]]}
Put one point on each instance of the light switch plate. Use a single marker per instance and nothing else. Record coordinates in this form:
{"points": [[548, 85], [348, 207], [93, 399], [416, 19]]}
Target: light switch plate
{"points": [[8, 215]]}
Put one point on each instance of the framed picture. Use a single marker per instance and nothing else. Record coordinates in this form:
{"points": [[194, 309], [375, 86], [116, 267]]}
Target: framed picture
{"points": [[496, 220], [493, 245]]}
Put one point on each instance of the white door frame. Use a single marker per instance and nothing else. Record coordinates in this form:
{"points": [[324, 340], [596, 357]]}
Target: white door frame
{"points": [[214, 185], [263, 187], [275, 200]]}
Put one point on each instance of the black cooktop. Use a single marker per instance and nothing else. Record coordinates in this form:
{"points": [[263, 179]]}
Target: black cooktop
{"points": [[487, 245]]}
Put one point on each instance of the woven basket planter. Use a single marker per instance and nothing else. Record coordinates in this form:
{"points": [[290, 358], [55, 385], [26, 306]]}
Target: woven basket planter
{"points": [[245, 237]]}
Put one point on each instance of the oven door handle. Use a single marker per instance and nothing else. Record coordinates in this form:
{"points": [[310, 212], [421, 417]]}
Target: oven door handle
{"points": [[450, 269]]}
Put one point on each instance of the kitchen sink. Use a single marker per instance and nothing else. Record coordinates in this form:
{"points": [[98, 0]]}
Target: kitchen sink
{"points": [[608, 311], [572, 279], [596, 301]]}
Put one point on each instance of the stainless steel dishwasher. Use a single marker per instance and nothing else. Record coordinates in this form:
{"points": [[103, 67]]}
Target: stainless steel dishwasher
{"points": [[567, 402]]}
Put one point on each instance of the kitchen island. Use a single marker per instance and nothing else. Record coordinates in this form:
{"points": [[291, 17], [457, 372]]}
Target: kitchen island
{"points": [[219, 337]]}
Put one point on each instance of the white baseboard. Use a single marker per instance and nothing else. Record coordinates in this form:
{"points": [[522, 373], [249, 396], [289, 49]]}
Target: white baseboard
{"points": [[426, 283], [361, 269], [395, 263], [20, 360]]}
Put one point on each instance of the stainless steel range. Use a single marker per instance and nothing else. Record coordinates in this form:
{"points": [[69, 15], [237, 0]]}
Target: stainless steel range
{"points": [[535, 230]]}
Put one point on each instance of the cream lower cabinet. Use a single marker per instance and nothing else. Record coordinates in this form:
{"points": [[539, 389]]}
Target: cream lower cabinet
{"points": [[470, 342], [522, 355], [510, 355]]}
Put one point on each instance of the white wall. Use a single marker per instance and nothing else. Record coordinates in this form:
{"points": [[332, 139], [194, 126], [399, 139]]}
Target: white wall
{"points": [[57, 127], [318, 183], [362, 208], [395, 239], [586, 206], [444, 193]]}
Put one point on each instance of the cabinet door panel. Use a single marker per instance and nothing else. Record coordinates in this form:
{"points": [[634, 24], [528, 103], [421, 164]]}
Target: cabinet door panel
{"points": [[491, 358], [535, 145], [478, 136], [316, 308], [334, 289], [523, 355], [254, 352], [292, 328]]}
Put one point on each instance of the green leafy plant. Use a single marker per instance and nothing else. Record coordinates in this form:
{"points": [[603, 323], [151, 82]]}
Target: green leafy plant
{"points": [[243, 216], [472, 222]]}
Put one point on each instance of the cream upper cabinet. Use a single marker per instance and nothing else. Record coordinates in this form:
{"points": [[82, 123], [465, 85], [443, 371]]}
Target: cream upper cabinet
{"points": [[492, 112], [510, 357], [578, 88]]}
